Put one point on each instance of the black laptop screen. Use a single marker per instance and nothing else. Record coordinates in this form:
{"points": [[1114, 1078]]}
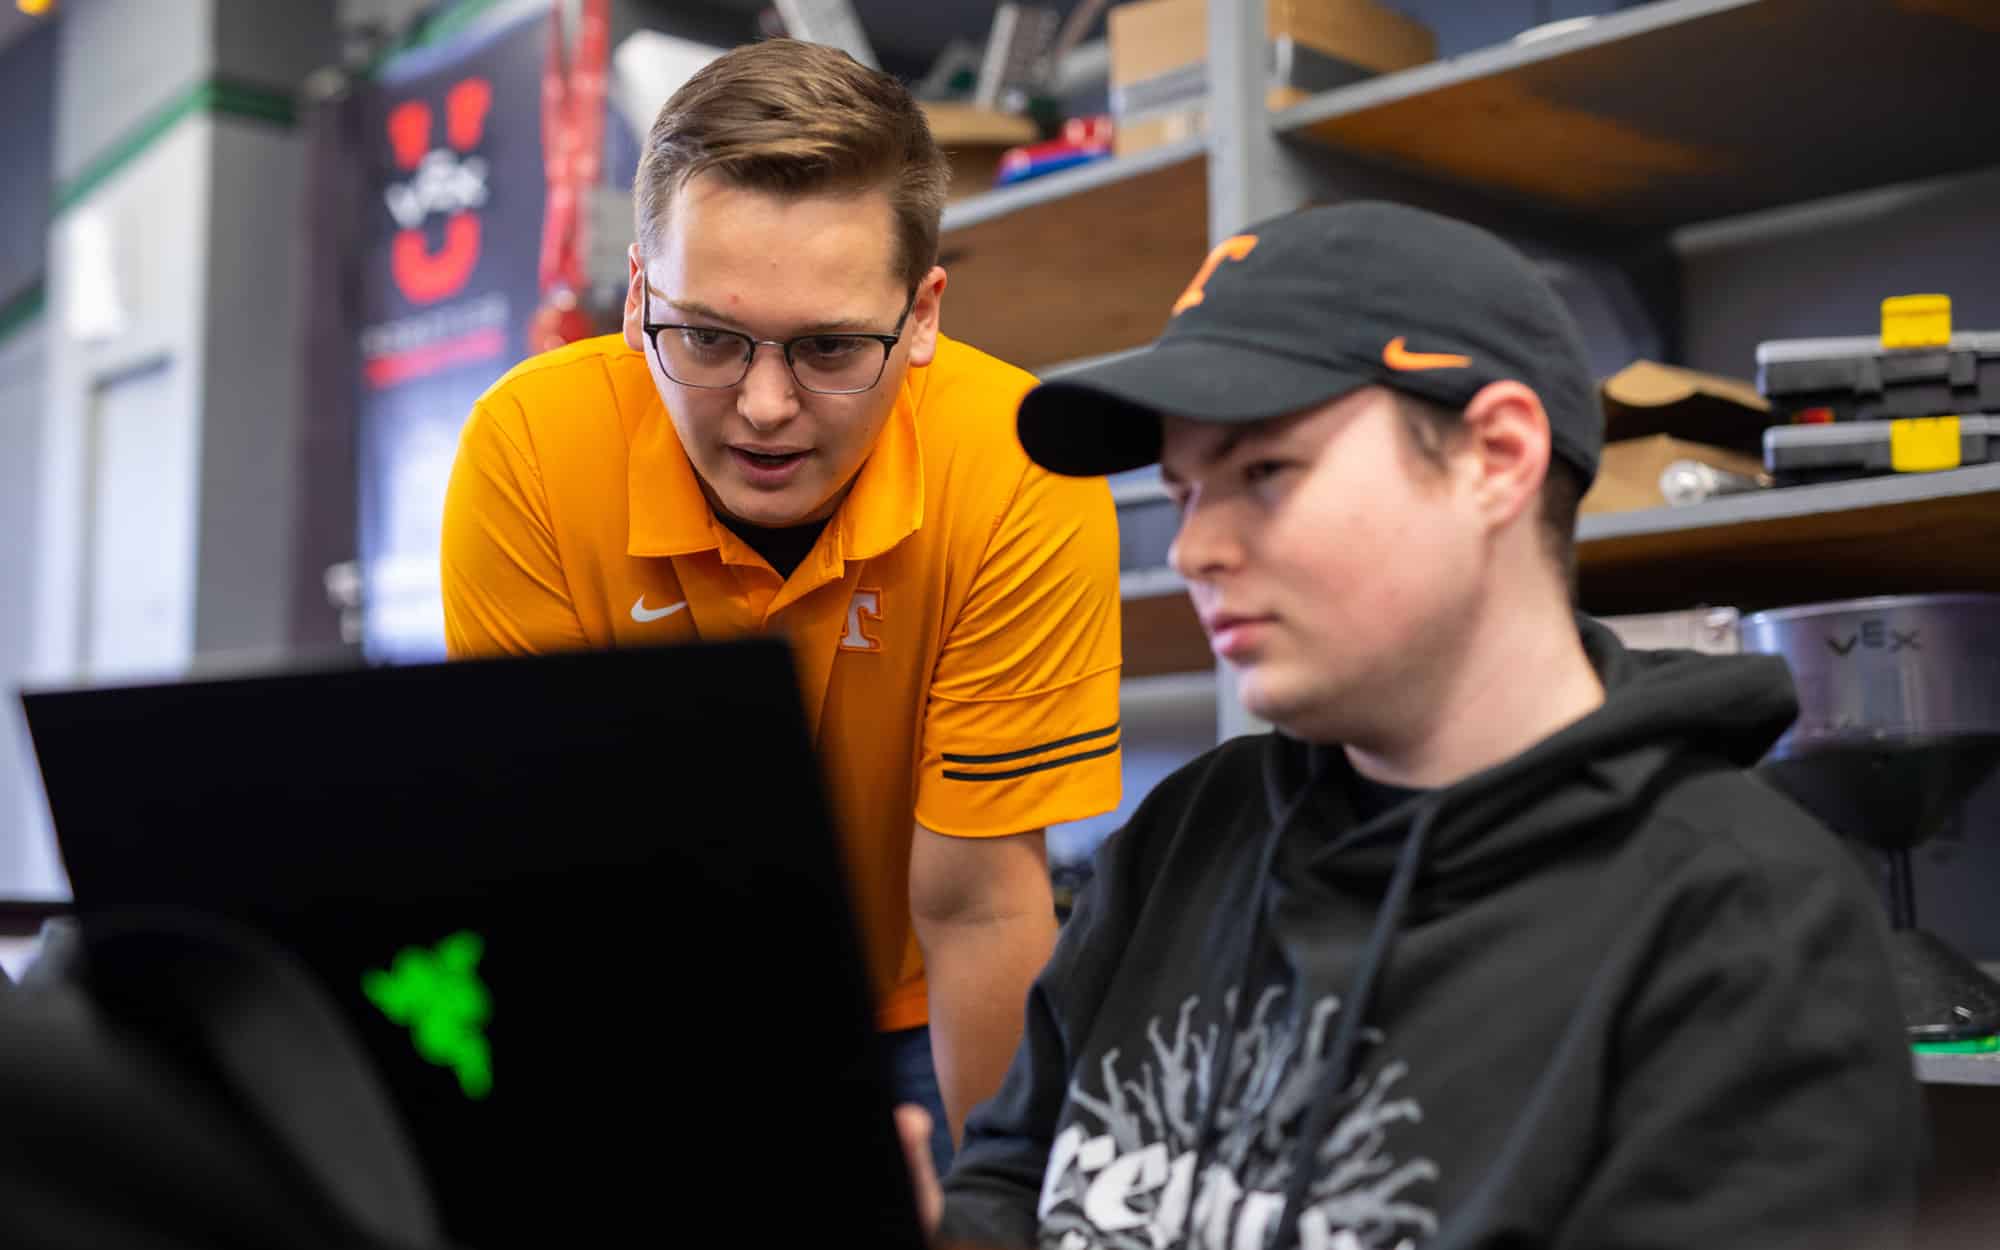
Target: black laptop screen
{"points": [[605, 965]]}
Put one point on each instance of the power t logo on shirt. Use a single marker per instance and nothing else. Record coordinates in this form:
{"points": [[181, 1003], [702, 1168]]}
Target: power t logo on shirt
{"points": [[865, 605], [1122, 1173]]}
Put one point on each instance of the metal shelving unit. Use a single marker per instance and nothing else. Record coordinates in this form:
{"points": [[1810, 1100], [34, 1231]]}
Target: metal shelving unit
{"points": [[1600, 136], [1598, 133]]}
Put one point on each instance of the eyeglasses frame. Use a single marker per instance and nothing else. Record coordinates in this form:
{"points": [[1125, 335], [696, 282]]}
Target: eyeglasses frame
{"points": [[652, 330]]}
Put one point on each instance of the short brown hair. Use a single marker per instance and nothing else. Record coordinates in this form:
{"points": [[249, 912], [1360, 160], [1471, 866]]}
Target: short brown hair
{"points": [[1433, 430], [796, 118]]}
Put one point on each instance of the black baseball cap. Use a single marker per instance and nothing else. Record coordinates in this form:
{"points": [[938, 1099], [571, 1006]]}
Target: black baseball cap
{"points": [[1301, 309]]}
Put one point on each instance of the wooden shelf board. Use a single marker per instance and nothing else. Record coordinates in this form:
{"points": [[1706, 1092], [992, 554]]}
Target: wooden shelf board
{"points": [[1888, 535], [1162, 633], [1688, 110], [1040, 279]]}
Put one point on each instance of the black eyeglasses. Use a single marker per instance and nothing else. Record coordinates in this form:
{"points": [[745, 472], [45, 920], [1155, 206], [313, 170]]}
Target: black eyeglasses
{"points": [[826, 364]]}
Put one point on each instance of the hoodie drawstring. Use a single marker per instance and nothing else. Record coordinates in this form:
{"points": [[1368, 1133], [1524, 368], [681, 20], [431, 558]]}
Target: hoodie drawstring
{"points": [[1347, 1033], [1218, 1060]]}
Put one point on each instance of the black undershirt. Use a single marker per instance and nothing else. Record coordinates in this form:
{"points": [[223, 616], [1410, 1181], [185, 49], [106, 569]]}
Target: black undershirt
{"points": [[784, 548]]}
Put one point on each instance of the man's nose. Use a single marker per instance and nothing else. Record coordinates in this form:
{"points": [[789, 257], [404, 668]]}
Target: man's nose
{"points": [[1205, 544], [768, 395]]}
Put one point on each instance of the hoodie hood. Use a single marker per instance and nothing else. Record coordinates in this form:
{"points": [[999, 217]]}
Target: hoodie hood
{"points": [[1664, 713]]}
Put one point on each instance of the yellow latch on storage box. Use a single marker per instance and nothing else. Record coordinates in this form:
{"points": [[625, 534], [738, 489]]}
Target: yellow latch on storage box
{"points": [[1923, 444], [1916, 321]]}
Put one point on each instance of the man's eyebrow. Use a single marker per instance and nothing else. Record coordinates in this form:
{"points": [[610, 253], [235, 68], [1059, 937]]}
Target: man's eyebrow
{"points": [[1229, 442], [695, 308]]}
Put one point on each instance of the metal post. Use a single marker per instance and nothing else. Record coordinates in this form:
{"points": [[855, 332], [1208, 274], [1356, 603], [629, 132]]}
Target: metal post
{"points": [[1251, 175]]}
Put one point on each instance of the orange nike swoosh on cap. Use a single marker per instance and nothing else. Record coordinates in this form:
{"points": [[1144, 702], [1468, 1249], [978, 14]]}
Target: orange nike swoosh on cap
{"points": [[1396, 356]]}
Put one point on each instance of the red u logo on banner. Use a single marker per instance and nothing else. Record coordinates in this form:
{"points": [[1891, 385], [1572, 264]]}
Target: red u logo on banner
{"points": [[445, 179]]}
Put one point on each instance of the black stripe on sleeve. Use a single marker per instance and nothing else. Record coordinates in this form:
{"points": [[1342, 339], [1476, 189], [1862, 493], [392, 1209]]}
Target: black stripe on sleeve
{"points": [[953, 775], [1004, 756]]}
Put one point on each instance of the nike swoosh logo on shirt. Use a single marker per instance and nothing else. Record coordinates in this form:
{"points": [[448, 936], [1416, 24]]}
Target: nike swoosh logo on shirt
{"points": [[643, 614]]}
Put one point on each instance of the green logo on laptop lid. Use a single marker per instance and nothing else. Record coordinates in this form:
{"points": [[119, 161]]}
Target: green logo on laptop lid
{"points": [[438, 996]]}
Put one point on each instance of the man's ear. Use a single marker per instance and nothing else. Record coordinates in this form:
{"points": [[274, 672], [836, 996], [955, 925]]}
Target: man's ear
{"points": [[922, 328], [635, 308], [1508, 447]]}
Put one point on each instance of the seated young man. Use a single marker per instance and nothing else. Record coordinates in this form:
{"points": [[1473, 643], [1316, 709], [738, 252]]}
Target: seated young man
{"points": [[1493, 942]]}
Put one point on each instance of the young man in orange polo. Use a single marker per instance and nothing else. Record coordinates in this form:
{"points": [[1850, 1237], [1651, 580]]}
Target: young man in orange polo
{"points": [[782, 440]]}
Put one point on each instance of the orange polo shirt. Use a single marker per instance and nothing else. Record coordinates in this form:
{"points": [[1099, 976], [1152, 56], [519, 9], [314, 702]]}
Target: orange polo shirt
{"points": [[956, 627]]}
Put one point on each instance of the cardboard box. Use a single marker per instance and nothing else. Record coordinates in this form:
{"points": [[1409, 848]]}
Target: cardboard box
{"points": [[1628, 474], [1159, 50], [1645, 398]]}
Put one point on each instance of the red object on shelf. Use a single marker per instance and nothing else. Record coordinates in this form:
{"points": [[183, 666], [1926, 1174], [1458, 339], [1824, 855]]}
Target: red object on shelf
{"points": [[1014, 161], [1813, 416], [1082, 139], [1077, 132], [1092, 131]]}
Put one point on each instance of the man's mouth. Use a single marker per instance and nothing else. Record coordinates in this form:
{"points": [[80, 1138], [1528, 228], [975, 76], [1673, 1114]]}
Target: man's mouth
{"points": [[769, 468], [768, 459]]}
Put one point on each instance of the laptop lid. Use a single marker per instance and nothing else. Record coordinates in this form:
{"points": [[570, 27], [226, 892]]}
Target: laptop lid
{"points": [[586, 914]]}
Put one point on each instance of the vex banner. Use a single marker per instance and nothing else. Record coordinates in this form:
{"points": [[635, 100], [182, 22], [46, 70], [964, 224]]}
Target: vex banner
{"points": [[447, 286], [456, 165], [453, 147]]}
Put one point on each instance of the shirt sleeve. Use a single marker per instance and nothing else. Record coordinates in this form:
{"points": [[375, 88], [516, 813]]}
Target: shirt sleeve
{"points": [[993, 1193], [504, 590], [1021, 727]]}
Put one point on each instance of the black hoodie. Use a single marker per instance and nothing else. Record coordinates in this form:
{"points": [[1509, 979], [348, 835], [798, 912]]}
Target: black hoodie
{"points": [[1612, 993]]}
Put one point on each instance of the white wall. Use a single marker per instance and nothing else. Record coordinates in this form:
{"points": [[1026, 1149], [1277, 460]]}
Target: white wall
{"points": [[115, 550], [28, 867]]}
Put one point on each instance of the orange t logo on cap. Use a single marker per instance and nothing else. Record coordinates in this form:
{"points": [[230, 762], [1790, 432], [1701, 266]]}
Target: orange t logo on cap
{"points": [[1235, 247]]}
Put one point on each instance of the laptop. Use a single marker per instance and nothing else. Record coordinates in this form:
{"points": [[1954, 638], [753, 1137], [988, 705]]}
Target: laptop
{"points": [[585, 913]]}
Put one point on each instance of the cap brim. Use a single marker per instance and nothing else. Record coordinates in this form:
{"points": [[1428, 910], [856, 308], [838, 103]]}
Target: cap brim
{"points": [[1106, 418]]}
